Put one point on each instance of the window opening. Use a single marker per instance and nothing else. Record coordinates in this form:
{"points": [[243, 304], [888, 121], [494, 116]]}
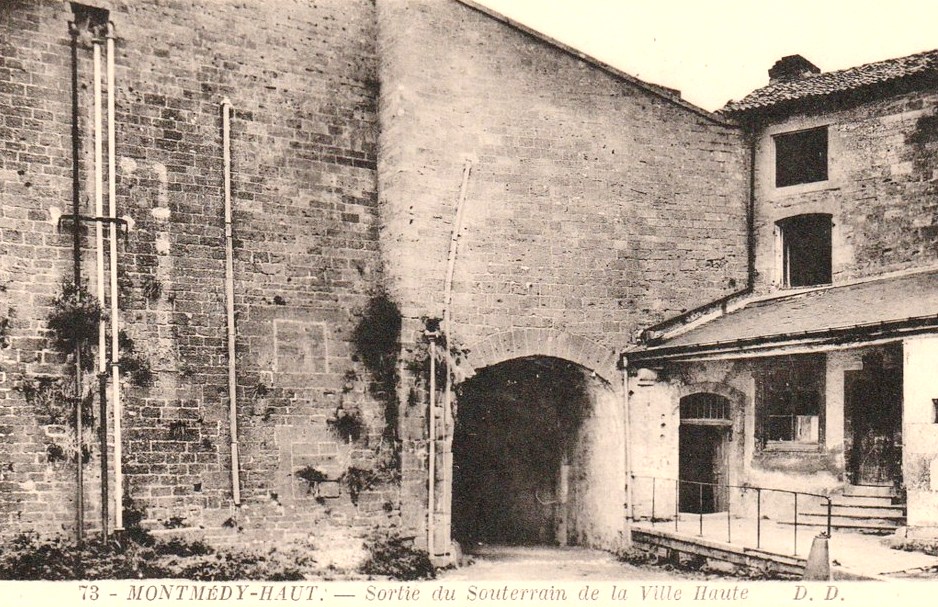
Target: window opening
{"points": [[806, 250], [704, 406], [790, 398], [800, 157]]}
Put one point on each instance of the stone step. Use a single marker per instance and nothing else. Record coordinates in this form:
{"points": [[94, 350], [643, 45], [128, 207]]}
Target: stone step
{"points": [[860, 511], [870, 490], [856, 511], [875, 525], [860, 501], [846, 519]]}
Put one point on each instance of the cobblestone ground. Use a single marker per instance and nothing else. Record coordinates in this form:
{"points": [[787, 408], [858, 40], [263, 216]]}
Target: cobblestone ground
{"points": [[523, 563]]}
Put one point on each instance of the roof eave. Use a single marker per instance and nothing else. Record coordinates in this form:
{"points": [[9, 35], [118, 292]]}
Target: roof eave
{"points": [[751, 346], [862, 94]]}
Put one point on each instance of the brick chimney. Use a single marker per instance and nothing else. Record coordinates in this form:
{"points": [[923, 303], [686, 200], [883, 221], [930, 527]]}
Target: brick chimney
{"points": [[792, 67]]}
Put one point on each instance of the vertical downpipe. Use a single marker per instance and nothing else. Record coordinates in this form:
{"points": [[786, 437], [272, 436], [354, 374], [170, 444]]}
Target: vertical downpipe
{"points": [[115, 319], [431, 450], [751, 218], [447, 319], [99, 265], [627, 423], [76, 261], [99, 205], [230, 311]]}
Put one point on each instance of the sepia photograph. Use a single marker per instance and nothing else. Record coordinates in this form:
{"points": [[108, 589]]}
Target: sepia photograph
{"points": [[423, 302]]}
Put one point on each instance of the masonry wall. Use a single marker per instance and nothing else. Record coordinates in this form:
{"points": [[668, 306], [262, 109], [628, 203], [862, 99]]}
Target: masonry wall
{"points": [[821, 469], [302, 80], [880, 191], [920, 431], [594, 207]]}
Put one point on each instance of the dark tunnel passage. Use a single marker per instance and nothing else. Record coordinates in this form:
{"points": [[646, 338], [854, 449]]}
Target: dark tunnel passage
{"points": [[516, 428]]}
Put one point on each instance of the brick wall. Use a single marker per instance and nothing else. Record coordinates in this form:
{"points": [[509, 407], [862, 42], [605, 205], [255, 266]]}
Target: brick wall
{"points": [[880, 190], [302, 81], [595, 207]]}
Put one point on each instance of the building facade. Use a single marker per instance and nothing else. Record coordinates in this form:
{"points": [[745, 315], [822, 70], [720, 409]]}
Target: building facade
{"points": [[374, 263], [817, 378]]}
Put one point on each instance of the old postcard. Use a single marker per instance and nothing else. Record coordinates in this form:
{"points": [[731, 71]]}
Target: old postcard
{"points": [[468, 302]]}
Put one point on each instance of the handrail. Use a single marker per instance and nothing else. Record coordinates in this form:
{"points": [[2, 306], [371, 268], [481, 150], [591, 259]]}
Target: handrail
{"points": [[726, 486]]}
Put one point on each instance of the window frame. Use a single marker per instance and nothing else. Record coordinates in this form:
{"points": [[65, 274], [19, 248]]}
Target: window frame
{"points": [[804, 374], [791, 232], [787, 153]]}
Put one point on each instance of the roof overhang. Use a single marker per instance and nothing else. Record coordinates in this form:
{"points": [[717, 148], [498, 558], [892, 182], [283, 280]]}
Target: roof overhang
{"points": [[870, 310], [838, 338]]}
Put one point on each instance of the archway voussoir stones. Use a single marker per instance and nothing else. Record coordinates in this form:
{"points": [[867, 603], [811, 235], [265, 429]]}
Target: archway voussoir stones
{"points": [[519, 343]]}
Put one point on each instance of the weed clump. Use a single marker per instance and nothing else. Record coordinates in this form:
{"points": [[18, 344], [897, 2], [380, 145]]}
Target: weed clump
{"points": [[139, 555], [347, 425], [396, 558], [74, 320]]}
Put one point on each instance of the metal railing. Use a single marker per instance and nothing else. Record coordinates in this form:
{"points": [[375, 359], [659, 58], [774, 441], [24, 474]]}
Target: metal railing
{"points": [[707, 495]]}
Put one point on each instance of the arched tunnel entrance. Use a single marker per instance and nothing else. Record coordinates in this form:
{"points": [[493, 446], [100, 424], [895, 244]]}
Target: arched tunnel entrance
{"points": [[538, 456]]}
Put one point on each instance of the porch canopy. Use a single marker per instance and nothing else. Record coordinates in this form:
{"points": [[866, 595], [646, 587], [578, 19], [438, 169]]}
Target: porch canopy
{"points": [[881, 309]]}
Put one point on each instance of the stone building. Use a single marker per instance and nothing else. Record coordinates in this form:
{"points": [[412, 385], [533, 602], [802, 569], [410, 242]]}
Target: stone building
{"points": [[821, 376], [411, 219]]}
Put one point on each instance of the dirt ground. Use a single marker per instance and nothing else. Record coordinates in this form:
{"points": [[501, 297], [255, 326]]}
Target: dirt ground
{"points": [[524, 563]]}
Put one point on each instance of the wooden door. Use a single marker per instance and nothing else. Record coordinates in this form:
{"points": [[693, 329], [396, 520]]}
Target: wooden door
{"points": [[702, 468], [873, 403]]}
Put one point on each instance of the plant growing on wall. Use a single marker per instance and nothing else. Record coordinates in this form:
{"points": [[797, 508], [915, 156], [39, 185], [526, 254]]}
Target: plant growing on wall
{"points": [[132, 364], [377, 343], [73, 322], [313, 478], [4, 332], [347, 425], [448, 356], [359, 480]]}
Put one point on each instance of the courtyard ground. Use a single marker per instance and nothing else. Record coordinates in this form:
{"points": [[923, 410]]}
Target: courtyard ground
{"points": [[534, 563]]}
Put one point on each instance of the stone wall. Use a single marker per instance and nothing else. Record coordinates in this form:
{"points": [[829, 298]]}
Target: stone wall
{"points": [[920, 431], [880, 189], [594, 205]]}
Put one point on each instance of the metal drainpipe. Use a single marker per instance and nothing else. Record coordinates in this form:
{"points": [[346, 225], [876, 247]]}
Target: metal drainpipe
{"points": [[750, 216], [99, 265], [115, 320], [76, 260], [447, 315], [99, 205], [627, 413], [431, 449], [230, 312]]}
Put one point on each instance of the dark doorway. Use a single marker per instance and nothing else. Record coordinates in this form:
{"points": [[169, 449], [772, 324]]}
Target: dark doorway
{"points": [[702, 468], [516, 426], [702, 451], [873, 421]]}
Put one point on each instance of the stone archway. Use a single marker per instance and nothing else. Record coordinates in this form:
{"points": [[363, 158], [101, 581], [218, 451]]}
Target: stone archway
{"points": [[538, 456], [598, 450], [588, 464]]}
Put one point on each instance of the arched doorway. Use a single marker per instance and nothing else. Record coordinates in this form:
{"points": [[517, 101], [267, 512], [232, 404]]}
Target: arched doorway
{"points": [[538, 456], [703, 452]]}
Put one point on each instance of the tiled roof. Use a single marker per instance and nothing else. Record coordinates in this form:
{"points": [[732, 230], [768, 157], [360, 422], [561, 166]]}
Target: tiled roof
{"points": [[869, 304], [827, 83]]}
